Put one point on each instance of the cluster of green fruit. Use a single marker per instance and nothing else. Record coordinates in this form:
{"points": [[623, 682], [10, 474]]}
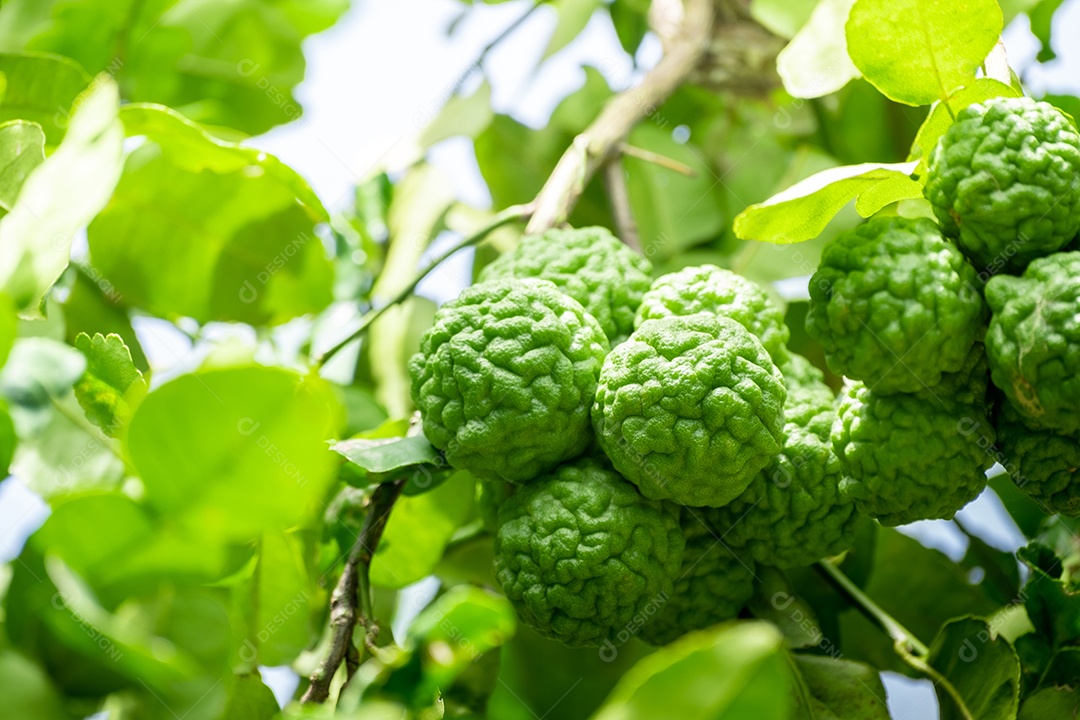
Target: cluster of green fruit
{"points": [[621, 427], [643, 447]]}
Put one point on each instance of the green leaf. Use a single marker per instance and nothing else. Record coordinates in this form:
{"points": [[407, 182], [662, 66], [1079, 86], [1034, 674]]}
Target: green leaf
{"points": [[816, 61], [39, 369], [631, 22], [235, 227], [776, 602], [737, 670], [59, 197], [981, 666], [573, 16], [9, 326], [279, 604], [8, 440], [1051, 703], [1042, 21], [944, 112], [27, 690], [42, 89], [842, 688], [389, 454], [782, 17], [916, 52], [261, 461], [1051, 599], [251, 699], [112, 386], [803, 210], [418, 531], [94, 306], [22, 148]]}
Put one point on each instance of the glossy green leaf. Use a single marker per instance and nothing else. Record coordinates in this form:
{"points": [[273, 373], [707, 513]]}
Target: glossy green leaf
{"points": [[262, 462], [41, 88], [943, 113], [803, 210], [59, 197], [916, 52], [981, 666], [816, 61], [112, 386], [22, 148], [737, 670], [235, 227], [418, 530], [387, 455], [841, 689]]}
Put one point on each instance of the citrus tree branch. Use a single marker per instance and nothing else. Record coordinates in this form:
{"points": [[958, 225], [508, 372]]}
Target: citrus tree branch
{"points": [[596, 145], [514, 213], [619, 197], [350, 602]]}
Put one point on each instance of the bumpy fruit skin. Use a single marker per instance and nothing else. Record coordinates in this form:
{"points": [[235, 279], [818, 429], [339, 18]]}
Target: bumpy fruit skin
{"points": [[1034, 340], [713, 586], [810, 402], [712, 289], [895, 305], [580, 553], [690, 409], [1005, 181], [588, 264], [1042, 463], [910, 457], [505, 377]]}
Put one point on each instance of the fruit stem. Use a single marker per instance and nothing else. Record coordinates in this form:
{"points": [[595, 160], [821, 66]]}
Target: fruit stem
{"points": [[351, 602], [514, 213]]}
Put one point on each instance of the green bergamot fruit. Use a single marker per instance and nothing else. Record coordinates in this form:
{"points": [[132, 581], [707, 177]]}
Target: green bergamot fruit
{"points": [[1042, 463], [1034, 340], [712, 289], [588, 264], [911, 457], [894, 305], [690, 409], [1005, 181], [713, 586], [811, 404], [505, 377], [581, 554]]}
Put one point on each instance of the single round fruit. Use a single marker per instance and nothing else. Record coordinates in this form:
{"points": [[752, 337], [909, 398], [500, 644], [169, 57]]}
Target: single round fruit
{"points": [[910, 457], [793, 513], [690, 409], [895, 305], [590, 265], [713, 586], [505, 377], [712, 289], [1034, 340], [1042, 463], [1005, 181], [811, 404], [580, 553]]}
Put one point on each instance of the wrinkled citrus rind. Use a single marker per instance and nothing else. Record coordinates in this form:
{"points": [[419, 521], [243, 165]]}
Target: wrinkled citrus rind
{"points": [[1042, 463]]}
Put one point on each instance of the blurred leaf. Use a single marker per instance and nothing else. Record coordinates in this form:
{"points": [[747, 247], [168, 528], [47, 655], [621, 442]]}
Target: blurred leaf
{"points": [[39, 369], [111, 386], [573, 16], [8, 440], [9, 327], [775, 601], [1042, 21], [231, 63], [816, 61], [22, 148], [1050, 596], [982, 667], [27, 690], [262, 462], [782, 17], [418, 530], [999, 569], [94, 306], [234, 226], [386, 455], [1024, 511], [59, 197], [943, 113], [630, 19], [1051, 703], [917, 52], [735, 670], [41, 88], [843, 689], [803, 210], [278, 604], [250, 699]]}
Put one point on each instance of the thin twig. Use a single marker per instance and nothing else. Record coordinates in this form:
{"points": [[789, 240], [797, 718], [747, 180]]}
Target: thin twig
{"points": [[598, 142], [352, 591], [514, 213], [619, 197], [657, 159]]}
